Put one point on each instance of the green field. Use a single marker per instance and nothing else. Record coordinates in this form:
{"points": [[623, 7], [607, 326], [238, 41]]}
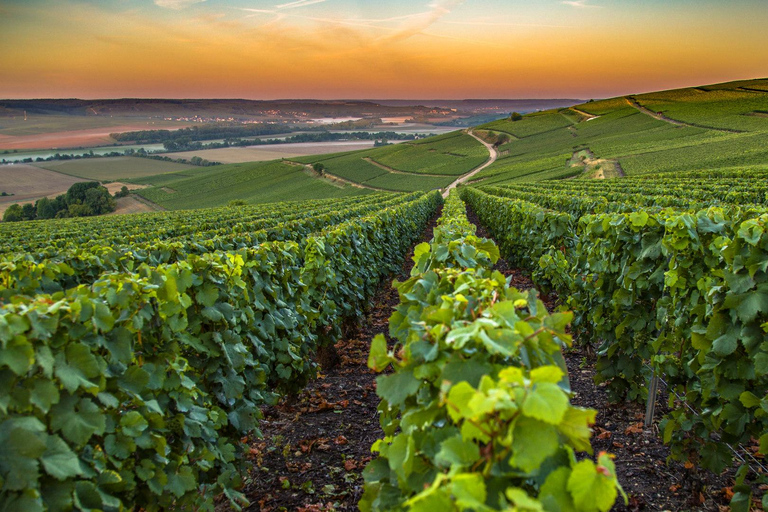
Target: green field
{"points": [[255, 183], [709, 127], [426, 164], [113, 168]]}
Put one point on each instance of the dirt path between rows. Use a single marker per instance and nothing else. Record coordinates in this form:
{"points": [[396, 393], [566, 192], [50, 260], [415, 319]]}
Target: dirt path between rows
{"points": [[640, 453], [314, 448], [464, 177], [589, 117]]}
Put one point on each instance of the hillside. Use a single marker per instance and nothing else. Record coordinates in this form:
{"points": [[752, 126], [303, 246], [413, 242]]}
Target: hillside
{"points": [[710, 127]]}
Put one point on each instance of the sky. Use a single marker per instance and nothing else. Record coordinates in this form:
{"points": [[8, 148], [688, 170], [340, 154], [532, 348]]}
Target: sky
{"points": [[363, 49]]}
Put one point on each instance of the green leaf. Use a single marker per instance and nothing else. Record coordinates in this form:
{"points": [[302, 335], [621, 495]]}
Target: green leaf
{"points": [[551, 374], [21, 444], [44, 394], [469, 490], [532, 442], [638, 219], [546, 402], [18, 354], [576, 427], [77, 368], [379, 358], [102, 317], [77, 420], [590, 488], [458, 401], [554, 493], [401, 454], [133, 424], [87, 496], [207, 295], [456, 452], [59, 460], [181, 482], [396, 388], [523, 501], [749, 400]]}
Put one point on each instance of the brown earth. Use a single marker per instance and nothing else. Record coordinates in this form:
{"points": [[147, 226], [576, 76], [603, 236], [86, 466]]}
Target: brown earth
{"points": [[69, 139], [28, 183], [130, 204]]}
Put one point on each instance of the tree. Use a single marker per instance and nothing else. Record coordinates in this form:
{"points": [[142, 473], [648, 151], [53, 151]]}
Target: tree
{"points": [[29, 212], [319, 168], [99, 200], [79, 210], [13, 214], [76, 193], [514, 116], [46, 209]]}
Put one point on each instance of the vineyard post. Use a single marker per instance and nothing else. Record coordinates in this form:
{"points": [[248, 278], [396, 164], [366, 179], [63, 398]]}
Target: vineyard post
{"points": [[653, 388], [653, 383]]}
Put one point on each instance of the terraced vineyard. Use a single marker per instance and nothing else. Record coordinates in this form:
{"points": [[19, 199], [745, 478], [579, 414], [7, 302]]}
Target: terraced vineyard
{"points": [[133, 365], [666, 276], [711, 127], [431, 163]]}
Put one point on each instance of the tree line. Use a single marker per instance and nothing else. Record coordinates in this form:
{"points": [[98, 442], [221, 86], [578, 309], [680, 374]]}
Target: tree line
{"points": [[83, 199]]}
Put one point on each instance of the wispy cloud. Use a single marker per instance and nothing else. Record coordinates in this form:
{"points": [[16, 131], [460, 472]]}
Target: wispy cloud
{"points": [[581, 4], [176, 4], [298, 3]]}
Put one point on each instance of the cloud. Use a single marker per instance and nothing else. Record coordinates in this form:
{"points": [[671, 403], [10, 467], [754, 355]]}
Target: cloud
{"points": [[416, 23], [176, 4], [581, 4], [298, 3]]}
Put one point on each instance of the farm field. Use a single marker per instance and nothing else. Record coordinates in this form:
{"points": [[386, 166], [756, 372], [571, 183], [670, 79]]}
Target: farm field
{"points": [[272, 152], [112, 168], [61, 132], [28, 183], [257, 182]]}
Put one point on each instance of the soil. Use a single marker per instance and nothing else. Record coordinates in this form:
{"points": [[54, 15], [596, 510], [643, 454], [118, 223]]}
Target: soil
{"points": [[314, 448]]}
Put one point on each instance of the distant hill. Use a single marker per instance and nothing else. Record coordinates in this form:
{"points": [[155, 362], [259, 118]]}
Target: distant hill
{"points": [[225, 108], [489, 106]]}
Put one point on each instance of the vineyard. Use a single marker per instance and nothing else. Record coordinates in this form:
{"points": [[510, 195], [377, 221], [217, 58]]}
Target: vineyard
{"points": [[132, 367], [157, 361], [666, 278]]}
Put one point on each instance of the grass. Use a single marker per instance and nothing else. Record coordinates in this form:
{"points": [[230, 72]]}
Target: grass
{"points": [[112, 169], [425, 164], [726, 130], [256, 183]]}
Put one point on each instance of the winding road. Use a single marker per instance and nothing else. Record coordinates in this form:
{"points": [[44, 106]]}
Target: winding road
{"points": [[464, 177]]}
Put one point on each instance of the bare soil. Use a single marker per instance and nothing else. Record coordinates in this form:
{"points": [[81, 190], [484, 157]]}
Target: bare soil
{"points": [[272, 151], [130, 204], [315, 447], [70, 138], [28, 183]]}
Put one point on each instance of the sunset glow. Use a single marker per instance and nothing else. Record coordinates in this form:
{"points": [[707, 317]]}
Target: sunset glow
{"points": [[265, 49]]}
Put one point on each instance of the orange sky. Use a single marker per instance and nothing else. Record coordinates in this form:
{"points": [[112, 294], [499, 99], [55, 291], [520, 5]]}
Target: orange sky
{"points": [[393, 49]]}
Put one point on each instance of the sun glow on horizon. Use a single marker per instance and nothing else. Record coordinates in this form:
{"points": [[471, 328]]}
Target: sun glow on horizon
{"points": [[352, 49]]}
